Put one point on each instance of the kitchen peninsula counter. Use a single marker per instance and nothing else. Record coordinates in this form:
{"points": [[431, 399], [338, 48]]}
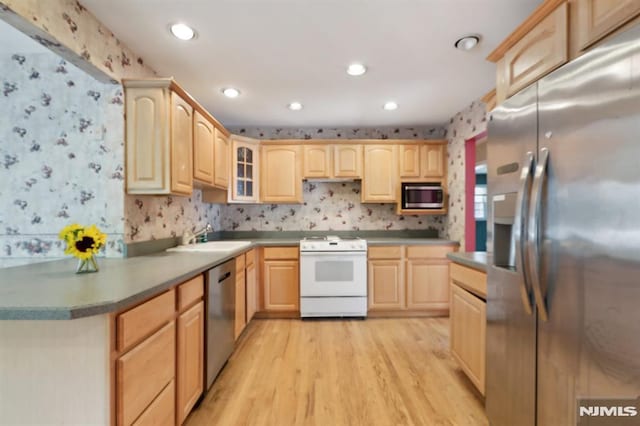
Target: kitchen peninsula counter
{"points": [[52, 291]]}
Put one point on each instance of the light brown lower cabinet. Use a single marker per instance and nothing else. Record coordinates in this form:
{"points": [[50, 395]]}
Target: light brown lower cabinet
{"points": [[143, 372], [386, 285], [252, 291], [161, 412], [408, 279], [241, 302], [190, 351], [159, 363], [427, 284], [281, 280], [468, 319]]}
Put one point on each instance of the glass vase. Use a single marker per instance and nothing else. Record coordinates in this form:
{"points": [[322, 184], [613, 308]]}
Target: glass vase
{"points": [[86, 266]]}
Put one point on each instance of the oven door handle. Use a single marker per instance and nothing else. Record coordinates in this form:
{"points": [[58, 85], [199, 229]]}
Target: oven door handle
{"points": [[337, 254]]}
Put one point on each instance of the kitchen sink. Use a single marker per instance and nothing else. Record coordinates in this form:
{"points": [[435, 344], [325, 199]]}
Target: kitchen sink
{"points": [[212, 246]]}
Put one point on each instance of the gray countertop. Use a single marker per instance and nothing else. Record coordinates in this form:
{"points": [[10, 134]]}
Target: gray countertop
{"points": [[474, 259], [52, 291]]}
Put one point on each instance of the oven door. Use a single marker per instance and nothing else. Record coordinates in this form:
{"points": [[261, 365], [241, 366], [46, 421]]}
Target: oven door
{"points": [[328, 274]]}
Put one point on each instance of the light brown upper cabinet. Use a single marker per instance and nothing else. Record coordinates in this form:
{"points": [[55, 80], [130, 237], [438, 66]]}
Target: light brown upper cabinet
{"points": [[597, 18], [159, 137], [281, 174], [420, 161], [221, 160], [317, 161], [409, 161], [539, 52], [245, 168], [380, 173], [433, 159], [326, 161], [347, 161], [171, 140], [203, 141], [181, 145]]}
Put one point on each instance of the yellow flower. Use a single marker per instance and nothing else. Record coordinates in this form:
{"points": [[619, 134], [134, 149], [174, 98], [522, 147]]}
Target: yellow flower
{"points": [[82, 242]]}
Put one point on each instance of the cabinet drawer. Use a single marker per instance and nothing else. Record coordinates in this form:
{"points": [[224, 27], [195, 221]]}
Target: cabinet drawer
{"points": [[190, 292], [280, 253], [161, 412], [143, 372], [240, 261], [539, 52], [385, 252], [139, 322], [250, 257], [436, 252], [471, 279]]}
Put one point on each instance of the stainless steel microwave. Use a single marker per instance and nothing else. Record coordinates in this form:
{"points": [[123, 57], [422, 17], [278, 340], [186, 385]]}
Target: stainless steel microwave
{"points": [[423, 195]]}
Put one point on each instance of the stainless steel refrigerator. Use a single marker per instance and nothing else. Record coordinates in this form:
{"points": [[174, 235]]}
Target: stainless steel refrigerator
{"points": [[563, 304]]}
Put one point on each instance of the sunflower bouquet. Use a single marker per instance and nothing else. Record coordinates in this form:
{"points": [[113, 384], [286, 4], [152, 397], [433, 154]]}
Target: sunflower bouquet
{"points": [[83, 242]]}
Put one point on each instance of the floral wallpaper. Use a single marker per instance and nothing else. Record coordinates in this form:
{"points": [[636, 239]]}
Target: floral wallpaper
{"points": [[462, 126], [151, 217], [327, 206], [69, 29], [429, 132], [61, 155]]}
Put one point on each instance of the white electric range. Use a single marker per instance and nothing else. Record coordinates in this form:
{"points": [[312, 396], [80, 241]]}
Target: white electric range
{"points": [[333, 277]]}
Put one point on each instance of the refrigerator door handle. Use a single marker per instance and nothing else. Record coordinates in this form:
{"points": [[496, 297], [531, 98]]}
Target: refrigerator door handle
{"points": [[520, 228], [533, 232]]}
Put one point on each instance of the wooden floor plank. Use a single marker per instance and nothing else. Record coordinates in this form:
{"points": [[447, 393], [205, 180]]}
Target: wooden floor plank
{"points": [[394, 371]]}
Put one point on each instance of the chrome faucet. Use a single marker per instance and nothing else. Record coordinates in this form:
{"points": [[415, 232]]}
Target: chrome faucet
{"points": [[189, 238]]}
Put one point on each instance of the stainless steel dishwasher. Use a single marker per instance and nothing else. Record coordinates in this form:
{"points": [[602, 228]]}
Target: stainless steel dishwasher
{"points": [[221, 298]]}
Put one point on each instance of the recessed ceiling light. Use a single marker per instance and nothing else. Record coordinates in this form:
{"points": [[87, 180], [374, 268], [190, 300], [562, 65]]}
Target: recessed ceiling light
{"points": [[295, 106], [231, 92], [182, 31], [390, 106], [467, 42], [356, 69]]}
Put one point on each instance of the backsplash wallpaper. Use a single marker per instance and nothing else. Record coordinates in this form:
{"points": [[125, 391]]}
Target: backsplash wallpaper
{"points": [[150, 217], [464, 125], [327, 206], [61, 155]]}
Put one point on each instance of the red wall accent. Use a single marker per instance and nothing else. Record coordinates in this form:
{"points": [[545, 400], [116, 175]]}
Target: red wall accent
{"points": [[469, 189]]}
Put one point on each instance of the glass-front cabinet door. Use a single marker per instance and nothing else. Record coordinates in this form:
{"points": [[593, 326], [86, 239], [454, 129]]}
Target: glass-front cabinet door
{"points": [[245, 169]]}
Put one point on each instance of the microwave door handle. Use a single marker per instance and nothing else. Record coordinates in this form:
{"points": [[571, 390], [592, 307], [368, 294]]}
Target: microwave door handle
{"points": [[533, 232], [519, 231]]}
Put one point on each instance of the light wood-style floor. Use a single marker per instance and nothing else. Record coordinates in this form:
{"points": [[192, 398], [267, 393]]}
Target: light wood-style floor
{"points": [[335, 372]]}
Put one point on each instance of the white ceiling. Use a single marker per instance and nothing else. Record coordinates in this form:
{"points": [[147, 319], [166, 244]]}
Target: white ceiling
{"points": [[278, 51]]}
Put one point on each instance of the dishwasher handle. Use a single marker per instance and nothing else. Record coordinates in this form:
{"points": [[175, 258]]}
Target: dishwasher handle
{"points": [[224, 277]]}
